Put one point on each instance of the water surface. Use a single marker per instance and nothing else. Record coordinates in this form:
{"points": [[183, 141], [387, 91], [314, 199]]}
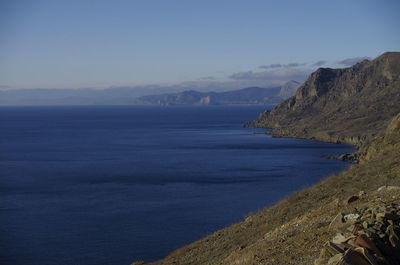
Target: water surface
{"points": [[110, 185]]}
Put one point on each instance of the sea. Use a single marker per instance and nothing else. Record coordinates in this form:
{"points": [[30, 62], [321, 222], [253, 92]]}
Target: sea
{"points": [[93, 185]]}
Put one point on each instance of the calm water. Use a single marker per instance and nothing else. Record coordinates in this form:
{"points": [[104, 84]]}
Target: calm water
{"points": [[110, 185]]}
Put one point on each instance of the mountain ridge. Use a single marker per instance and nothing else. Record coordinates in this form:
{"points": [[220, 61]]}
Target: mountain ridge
{"points": [[249, 95], [350, 105]]}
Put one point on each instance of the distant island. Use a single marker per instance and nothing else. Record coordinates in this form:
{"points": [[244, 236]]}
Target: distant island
{"points": [[147, 96], [358, 105]]}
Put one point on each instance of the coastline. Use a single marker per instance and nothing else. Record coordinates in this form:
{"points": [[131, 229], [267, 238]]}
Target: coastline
{"points": [[351, 157], [277, 234], [357, 105], [251, 218]]}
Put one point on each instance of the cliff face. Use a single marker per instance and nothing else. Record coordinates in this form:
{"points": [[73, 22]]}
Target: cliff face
{"points": [[288, 89], [351, 105]]}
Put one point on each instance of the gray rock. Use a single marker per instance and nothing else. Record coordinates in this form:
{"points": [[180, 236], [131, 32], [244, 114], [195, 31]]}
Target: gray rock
{"points": [[336, 222], [389, 188]]}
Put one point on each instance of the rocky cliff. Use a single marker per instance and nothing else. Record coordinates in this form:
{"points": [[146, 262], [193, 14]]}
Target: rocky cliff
{"points": [[288, 89], [351, 105]]}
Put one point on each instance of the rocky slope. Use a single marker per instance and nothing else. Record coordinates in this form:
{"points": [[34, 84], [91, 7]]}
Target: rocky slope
{"points": [[294, 230], [351, 105]]}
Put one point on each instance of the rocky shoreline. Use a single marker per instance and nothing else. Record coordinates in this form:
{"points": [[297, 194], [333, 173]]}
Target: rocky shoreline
{"points": [[348, 157], [277, 235]]}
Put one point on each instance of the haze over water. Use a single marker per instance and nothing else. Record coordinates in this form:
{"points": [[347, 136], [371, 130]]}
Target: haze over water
{"points": [[110, 185]]}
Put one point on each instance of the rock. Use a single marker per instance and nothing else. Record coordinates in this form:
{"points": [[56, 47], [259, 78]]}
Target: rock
{"points": [[328, 156], [339, 238], [346, 157], [337, 221], [393, 233], [372, 232], [351, 217], [389, 188], [362, 193], [335, 259], [248, 219], [139, 262]]}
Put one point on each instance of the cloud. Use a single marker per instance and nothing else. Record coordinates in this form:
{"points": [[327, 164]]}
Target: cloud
{"points": [[207, 78], [274, 76], [278, 65], [274, 65], [353, 61], [295, 64], [319, 63], [267, 78]]}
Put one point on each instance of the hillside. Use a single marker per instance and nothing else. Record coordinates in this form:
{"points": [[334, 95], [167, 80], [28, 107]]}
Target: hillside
{"points": [[351, 105], [294, 230], [250, 95]]}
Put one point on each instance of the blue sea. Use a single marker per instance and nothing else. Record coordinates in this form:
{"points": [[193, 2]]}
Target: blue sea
{"points": [[93, 185]]}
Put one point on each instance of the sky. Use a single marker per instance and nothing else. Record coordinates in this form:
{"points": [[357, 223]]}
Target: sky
{"points": [[100, 44]]}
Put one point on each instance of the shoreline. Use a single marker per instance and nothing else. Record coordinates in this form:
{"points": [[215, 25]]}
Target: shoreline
{"points": [[352, 157], [248, 218], [276, 234]]}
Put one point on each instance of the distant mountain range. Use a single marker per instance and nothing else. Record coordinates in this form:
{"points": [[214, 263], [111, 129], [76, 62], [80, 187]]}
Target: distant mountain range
{"points": [[146, 96], [250, 95]]}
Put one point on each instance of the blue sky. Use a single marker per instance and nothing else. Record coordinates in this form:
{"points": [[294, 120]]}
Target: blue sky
{"points": [[72, 44]]}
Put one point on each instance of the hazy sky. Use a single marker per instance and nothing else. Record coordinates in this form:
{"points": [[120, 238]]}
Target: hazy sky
{"points": [[87, 43]]}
